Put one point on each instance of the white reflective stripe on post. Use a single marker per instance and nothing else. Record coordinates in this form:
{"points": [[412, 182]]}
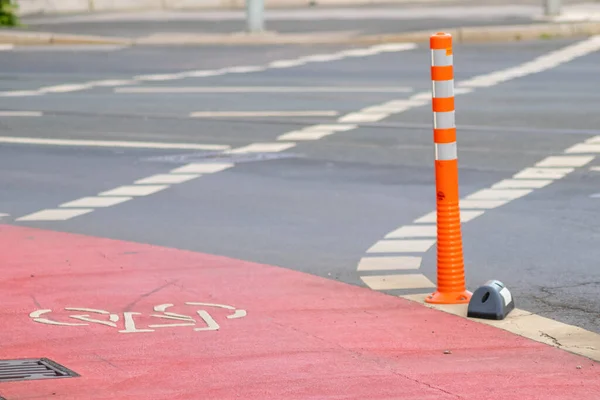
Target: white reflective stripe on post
{"points": [[439, 58], [443, 88], [443, 120], [446, 151]]}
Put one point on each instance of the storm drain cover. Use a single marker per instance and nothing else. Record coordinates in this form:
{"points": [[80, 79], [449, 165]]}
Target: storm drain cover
{"points": [[204, 157], [32, 369]]}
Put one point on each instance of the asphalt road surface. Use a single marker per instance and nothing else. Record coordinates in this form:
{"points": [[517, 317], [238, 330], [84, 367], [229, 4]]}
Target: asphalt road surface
{"points": [[319, 206]]}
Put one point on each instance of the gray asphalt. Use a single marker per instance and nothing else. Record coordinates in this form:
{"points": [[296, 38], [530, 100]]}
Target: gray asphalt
{"points": [[364, 26], [320, 209]]}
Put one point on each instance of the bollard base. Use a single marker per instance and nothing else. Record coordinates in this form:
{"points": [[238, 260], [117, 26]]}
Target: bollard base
{"points": [[493, 300], [449, 298]]}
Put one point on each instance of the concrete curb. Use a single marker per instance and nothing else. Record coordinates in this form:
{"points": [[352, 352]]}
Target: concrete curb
{"points": [[461, 35]]}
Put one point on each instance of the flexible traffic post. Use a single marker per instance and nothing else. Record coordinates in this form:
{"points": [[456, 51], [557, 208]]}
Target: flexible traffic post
{"points": [[451, 287]]}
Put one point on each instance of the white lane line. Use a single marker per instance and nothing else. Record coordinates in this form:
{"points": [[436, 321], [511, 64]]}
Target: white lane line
{"points": [[363, 117], [331, 127], [286, 63], [112, 82], [55, 215], [21, 93], [585, 148], [167, 179], [595, 169], [522, 184], [93, 202], [71, 87], [110, 143], [259, 89], [394, 47], [315, 132], [21, 113], [203, 73], [413, 231], [498, 194], [595, 139], [74, 87], [304, 135], [322, 57], [465, 216], [564, 161], [401, 246], [258, 114], [262, 148], [135, 191], [201, 168], [6, 47], [389, 263], [543, 173], [158, 77], [394, 282], [481, 204], [244, 69]]}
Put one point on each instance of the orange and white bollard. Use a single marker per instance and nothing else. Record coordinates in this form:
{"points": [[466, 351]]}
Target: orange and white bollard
{"points": [[451, 287]]}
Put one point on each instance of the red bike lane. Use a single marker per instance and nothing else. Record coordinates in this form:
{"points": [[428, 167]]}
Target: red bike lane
{"points": [[136, 321]]}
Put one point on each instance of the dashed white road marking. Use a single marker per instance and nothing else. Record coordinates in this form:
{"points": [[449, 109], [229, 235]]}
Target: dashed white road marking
{"points": [[322, 57], [142, 187], [401, 246], [258, 89], [6, 47], [258, 114], [158, 77], [21, 114], [244, 69], [481, 204], [93, 202], [522, 184], [595, 169], [112, 82], [286, 63], [167, 179], [389, 263], [200, 168], [465, 216], [395, 282], [304, 135], [110, 143], [543, 173], [364, 117], [72, 87], [262, 148], [56, 214], [498, 194], [315, 132], [565, 161], [134, 190], [414, 231], [585, 148], [20, 93]]}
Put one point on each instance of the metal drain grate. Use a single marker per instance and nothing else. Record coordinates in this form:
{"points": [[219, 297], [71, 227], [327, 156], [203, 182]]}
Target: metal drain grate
{"points": [[32, 369]]}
